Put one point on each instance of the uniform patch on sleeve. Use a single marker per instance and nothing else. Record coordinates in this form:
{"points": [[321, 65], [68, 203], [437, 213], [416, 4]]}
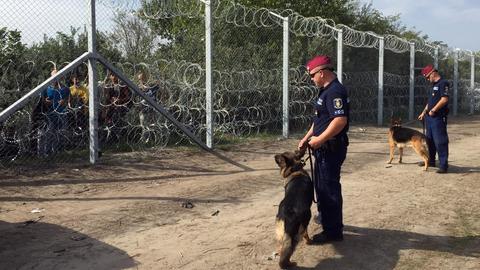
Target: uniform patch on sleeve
{"points": [[445, 90], [337, 103]]}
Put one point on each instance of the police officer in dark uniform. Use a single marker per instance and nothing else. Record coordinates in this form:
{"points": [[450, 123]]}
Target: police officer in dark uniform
{"points": [[328, 137], [435, 115]]}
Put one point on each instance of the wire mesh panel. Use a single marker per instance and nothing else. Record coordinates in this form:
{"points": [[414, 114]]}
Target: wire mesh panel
{"points": [[476, 98], [160, 47], [361, 80], [37, 39], [396, 85], [247, 46], [464, 84]]}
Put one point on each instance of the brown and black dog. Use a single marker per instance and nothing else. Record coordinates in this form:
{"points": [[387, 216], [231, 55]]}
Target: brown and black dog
{"points": [[399, 136], [294, 210]]}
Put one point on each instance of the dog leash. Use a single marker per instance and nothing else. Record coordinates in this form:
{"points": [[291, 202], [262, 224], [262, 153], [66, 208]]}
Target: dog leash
{"points": [[413, 121], [423, 125], [409, 122], [312, 172]]}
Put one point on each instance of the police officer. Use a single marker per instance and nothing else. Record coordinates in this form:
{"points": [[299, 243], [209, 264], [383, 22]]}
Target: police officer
{"points": [[435, 115], [328, 137]]}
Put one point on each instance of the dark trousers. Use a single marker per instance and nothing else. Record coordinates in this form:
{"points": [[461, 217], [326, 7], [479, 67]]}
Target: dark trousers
{"points": [[437, 139], [328, 163]]}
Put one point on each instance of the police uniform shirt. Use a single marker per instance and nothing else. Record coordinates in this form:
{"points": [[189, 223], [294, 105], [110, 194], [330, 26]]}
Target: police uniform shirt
{"points": [[440, 89], [331, 102]]}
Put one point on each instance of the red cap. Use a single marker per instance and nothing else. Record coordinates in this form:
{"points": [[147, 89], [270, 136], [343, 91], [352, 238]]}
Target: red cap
{"points": [[427, 70], [322, 61]]}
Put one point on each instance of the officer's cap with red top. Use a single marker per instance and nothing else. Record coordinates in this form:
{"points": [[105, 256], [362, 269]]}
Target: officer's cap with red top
{"points": [[319, 62], [427, 70]]}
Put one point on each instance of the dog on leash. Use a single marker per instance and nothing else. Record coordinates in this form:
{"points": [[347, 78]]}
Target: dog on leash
{"points": [[399, 136], [294, 210]]}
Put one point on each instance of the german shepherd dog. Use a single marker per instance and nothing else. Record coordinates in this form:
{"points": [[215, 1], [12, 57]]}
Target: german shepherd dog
{"points": [[399, 136], [294, 210]]}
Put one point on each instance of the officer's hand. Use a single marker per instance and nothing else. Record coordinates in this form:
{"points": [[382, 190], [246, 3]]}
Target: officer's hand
{"points": [[314, 142], [421, 116], [431, 113], [303, 144]]}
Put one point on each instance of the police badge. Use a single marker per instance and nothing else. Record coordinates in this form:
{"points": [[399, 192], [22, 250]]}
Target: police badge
{"points": [[337, 103]]}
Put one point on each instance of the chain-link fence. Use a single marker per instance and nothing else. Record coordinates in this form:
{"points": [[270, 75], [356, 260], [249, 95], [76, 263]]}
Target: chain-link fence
{"points": [[160, 46]]}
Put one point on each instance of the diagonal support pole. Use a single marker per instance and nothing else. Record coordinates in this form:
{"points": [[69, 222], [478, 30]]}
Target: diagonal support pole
{"points": [[150, 101]]}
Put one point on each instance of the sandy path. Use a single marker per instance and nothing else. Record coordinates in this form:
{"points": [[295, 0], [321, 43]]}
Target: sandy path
{"points": [[127, 212]]}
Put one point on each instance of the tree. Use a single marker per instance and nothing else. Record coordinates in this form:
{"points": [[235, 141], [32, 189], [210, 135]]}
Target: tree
{"points": [[133, 37], [11, 47]]}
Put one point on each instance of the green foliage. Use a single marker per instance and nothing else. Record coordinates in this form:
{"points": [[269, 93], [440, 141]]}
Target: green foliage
{"points": [[11, 47], [22, 68]]}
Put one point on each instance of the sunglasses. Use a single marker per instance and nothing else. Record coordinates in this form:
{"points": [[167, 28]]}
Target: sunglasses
{"points": [[313, 74]]}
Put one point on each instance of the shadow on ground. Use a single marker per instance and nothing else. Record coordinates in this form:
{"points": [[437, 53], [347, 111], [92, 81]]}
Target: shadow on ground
{"points": [[37, 245], [368, 248]]}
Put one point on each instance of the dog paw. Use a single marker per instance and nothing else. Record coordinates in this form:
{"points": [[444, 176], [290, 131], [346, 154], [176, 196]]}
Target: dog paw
{"points": [[287, 265]]}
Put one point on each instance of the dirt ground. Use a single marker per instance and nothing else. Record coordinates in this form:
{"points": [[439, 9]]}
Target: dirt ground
{"points": [[129, 211]]}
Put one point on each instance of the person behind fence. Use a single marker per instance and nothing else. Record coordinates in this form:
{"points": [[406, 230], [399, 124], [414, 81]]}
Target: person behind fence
{"points": [[78, 101], [150, 89], [328, 138], [56, 96], [435, 116], [118, 101]]}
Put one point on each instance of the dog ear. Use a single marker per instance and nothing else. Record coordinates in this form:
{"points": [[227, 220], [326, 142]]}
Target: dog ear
{"points": [[281, 162]]}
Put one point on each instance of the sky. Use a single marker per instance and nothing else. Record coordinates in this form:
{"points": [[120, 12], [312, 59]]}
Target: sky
{"points": [[455, 22], [34, 18]]}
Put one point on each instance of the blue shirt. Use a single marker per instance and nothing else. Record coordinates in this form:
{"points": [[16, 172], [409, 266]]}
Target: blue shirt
{"points": [[439, 89], [331, 102], [55, 95]]}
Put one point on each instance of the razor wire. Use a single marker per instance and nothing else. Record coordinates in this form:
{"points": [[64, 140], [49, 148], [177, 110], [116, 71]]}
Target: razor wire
{"points": [[244, 105], [242, 16], [243, 108]]}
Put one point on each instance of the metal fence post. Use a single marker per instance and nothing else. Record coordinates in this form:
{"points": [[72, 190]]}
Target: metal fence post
{"points": [[285, 97], [411, 96], [285, 77], [381, 47], [92, 86], [455, 82], [208, 75], [340, 55], [472, 83]]}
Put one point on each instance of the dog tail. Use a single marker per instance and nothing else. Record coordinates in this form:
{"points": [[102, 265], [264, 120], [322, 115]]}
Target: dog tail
{"points": [[421, 148]]}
